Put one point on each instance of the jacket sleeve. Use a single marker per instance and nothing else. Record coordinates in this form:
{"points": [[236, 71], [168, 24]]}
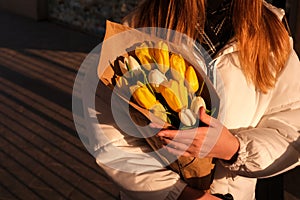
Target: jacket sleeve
{"points": [[126, 158], [273, 146]]}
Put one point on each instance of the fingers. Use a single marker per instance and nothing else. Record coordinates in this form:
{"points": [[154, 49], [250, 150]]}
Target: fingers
{"points": [[177, 152], [182, 147], [184, 136], [175, 145], [172, 134], [176, 148], [179, 149], [205, 118]]}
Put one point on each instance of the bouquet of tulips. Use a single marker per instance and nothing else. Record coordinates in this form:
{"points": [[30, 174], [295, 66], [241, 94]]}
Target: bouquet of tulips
{"points": [[161, 82], [166, 89]]}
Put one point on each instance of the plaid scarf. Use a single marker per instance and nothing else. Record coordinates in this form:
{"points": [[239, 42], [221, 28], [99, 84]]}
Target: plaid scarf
{"points": [[218, 30]]}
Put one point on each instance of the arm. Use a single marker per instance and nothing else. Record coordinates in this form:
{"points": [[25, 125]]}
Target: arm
{"points": [[271, 148], [274, 146], [123, 158]]}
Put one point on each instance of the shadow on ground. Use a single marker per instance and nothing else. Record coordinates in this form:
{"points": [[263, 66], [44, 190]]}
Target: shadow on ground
{"points": [[41, 156]]}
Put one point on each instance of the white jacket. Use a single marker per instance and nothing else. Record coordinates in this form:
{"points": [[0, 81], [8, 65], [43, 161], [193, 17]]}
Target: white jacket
{"points": [[267, 126]]}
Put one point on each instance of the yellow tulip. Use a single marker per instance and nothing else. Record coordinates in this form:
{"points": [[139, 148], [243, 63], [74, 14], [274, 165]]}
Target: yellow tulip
{"points": [[191, 79], [178, 67], [175, 94], [159, 111], [161, 56], [143, 96], [143, 54]]}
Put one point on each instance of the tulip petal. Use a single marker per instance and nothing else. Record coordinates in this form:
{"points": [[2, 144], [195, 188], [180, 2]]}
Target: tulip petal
{"points": [[191, 80], [196, 103], [187, 117], [178, 67]]}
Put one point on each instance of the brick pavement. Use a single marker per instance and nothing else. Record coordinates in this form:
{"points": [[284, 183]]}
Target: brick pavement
{"points": [[41, 156]]}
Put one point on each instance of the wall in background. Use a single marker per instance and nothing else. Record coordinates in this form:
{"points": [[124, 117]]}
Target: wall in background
{"points": [[89, 15], [35, 9], [293, 8]]}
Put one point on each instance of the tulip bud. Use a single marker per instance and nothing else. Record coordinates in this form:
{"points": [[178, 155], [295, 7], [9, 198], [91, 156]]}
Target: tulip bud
{"points": [[196, 103], [143, 96], [133, 67], [175, 94], [161, 56], [121, 81], [123, 66], [192, 80], [159, 111], [143, 54], [155, 78], [187, 117], [178, 67], [133, 64]]}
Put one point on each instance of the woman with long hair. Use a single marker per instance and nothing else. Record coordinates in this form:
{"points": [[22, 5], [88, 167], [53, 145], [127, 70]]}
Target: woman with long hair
{"points": [[256, 77]]}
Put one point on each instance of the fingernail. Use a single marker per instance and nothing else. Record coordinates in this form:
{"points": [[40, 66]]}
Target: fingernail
{"points": [[161, 134]]}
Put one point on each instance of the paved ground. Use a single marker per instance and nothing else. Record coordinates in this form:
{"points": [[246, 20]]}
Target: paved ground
{"points": [[41, 156]]}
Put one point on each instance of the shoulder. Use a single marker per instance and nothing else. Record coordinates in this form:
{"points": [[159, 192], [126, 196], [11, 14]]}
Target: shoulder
{"points": [[279, 12]]}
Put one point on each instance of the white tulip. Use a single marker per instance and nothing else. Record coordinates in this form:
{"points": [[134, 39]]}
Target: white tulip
{"points": [[155, 78], [187, 117], [133, 64], [130, 64], [196, 103]]}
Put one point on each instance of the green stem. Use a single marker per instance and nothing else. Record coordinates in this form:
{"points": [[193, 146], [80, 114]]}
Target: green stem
{"points": [[201, 89]]}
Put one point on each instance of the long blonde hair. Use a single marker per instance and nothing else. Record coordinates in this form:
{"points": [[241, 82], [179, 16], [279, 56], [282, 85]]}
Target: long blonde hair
{"points": [[262, 39], [178, 15], [263, 42]]}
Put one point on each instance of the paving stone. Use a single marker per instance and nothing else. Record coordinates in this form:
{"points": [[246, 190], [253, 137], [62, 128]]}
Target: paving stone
{"points": [[41, 156], [94, 192]]}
